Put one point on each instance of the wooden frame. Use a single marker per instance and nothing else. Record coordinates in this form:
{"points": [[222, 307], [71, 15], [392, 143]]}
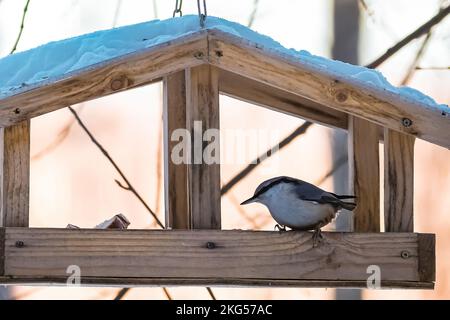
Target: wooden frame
{"points": [[195, 69]]}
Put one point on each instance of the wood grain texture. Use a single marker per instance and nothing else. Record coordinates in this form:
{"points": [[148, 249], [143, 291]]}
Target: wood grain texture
{"points": [[202, 114], [427, 258], [398, 182], [364, 171], [2, 251], [114, 75], [249, 90], [175, 174], [236, 256], [15, 175], [228, 282], [298, 77]]}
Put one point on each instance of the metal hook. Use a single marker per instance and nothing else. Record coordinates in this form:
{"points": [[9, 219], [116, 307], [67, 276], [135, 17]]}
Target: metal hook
{"points": [[202, 16], [178, 6]]}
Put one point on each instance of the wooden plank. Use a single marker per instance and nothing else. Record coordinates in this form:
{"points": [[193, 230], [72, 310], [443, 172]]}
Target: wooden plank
{"points": [[2, 251], [248, 59], [229, 282], [398, 182], [427, 258], [175, 174], [15, 175], [202, 115], [115, 75], [233, 256], [249, 90], [364, 171]]}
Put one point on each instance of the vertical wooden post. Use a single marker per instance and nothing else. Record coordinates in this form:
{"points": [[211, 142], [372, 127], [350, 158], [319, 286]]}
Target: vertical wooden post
{"points": [[14, 174], [202, 115], [176, 194], [398, 181], [364, 171]]}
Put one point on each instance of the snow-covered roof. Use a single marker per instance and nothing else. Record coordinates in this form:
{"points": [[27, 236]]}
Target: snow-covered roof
{"points": [[56, 59]]}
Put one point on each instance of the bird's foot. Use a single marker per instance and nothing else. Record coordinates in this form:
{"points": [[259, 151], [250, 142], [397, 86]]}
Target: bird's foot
{"points": [[317, 237], [279, 228]]}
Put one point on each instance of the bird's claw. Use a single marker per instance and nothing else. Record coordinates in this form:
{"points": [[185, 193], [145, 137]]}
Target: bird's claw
{"points": [[280, 228], [317, 237]]}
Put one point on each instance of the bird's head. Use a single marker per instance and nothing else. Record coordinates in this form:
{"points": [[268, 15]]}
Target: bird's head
{"points": [[264, 191]]}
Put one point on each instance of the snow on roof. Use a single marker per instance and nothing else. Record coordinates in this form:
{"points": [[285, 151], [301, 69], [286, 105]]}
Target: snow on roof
{"points": [[56, 59]]}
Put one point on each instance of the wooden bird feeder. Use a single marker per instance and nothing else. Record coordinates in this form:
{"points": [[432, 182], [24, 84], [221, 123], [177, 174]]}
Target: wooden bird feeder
{"points": [[195, 69]]}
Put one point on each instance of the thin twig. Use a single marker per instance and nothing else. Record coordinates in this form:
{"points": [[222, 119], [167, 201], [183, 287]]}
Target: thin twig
{"points": [[423, 29], [416, 60], [211, 293], [249, 168], [116, 13], [338, 164], [433, 68], [60, 137], [128, 186], [122, 292], [155, 9], [22, 25], [251, 19]]}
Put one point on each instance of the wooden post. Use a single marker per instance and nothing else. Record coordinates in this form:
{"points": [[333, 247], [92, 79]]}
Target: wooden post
{"points": [[175, 174], [398, 182], [364, 171], [202, 115], [14, 174]]}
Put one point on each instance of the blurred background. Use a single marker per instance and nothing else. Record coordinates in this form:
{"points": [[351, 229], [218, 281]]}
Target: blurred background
{"points": [[72, 182]]}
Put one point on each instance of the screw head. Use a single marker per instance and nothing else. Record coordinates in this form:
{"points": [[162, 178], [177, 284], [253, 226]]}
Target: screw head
{"points": [[406, 122], [20, 244], [199, 55], [405, 254], [210, 245], [16, 110]]}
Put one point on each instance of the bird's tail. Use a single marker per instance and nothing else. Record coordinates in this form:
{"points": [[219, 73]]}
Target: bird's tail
{"points": [[348, 205]]}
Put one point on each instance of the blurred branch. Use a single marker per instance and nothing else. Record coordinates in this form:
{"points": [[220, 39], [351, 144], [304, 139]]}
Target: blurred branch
{"points": [[433, 68], [155, 9], [423, 29], [249, 168], [211, 293], [251, 19], [122, 292], [128, 186], [338, 164], [22, 25], [116, 13], [416, 60], [60, 137]]}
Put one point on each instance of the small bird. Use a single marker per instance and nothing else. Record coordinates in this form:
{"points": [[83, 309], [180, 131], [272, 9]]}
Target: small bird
{"points": [[299, 205]]}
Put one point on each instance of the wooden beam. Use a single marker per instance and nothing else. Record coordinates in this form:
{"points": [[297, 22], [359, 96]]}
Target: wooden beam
{"points": [[15, 175], [398, 182], [125, 72], [364, 171], [202, 115], [175, 174], [250, 60], [216, 257], [252, 91]]}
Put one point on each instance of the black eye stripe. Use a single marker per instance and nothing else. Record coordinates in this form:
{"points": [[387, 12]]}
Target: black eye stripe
{"points": [[273, 183]]}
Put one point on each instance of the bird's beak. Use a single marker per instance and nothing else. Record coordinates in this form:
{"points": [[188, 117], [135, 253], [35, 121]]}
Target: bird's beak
{"points": [[251, 200]]}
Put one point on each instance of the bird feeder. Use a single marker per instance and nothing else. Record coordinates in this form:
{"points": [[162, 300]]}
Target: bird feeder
{"points": [[195, 68]]}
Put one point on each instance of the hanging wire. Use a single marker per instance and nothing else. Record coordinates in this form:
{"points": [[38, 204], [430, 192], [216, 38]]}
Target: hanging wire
{"points": [[178, 5], [202, 16]]}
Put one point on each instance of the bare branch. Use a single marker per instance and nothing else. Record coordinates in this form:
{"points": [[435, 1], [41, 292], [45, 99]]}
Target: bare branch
{"points": [[338, 164], [416, 60], [60, 137], [122, 292], [114, 164], [249, 168], [433, 68], [116, 13], [22, 25], [251, 19], [211, 293], [423, 29]]}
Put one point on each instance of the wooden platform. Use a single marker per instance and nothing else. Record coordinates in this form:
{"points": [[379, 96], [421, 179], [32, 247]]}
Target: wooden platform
{"points": [[216, 257]]}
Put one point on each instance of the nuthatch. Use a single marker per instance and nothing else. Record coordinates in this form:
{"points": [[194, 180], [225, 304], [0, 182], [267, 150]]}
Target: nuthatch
{"points": [[299, 205]]}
